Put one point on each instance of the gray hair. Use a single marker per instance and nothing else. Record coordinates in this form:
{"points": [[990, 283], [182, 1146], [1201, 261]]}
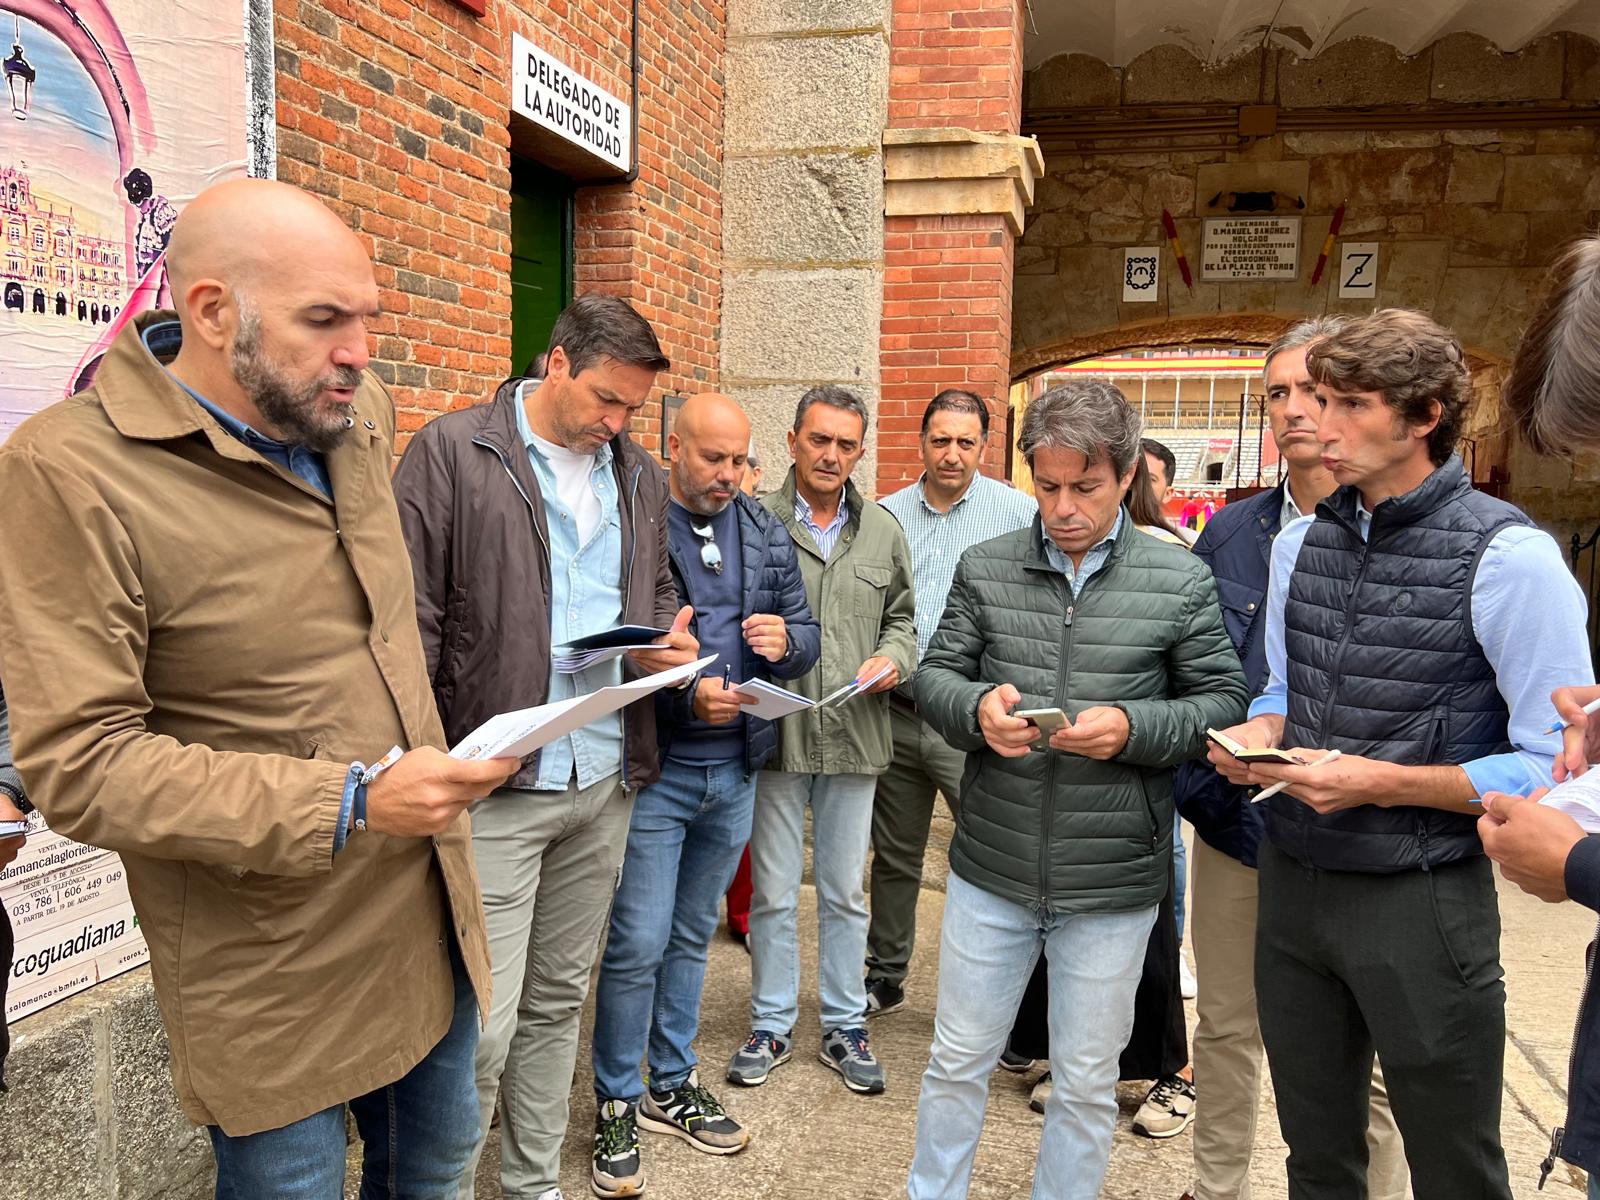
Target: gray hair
{"points": [[833, 396], [1300, 335], [1090, 416]]}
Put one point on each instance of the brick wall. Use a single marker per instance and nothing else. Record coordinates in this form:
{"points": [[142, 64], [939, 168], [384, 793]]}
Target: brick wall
{"points": [[395, 112], [947, 280]]}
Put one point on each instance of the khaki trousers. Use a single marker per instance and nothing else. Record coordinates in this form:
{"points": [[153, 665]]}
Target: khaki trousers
{"points": [[1228, 1054], [548, 863]]}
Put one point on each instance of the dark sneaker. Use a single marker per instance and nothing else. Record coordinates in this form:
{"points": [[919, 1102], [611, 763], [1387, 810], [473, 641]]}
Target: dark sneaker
{"points": [[1011, 1061], [617, 1170], [884, 997], [753, 1062], [692, 1113], [847, 1052], [1040, 1092], [1167, 1110]]}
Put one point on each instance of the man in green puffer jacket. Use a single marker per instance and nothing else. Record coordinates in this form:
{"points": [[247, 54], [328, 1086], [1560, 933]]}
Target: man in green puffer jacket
{"points": [[1063, 843]]}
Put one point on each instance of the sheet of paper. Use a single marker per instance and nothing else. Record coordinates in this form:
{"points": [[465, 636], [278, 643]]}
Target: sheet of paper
{"points": [[518, 734], [772, 702], [1579, 798]]}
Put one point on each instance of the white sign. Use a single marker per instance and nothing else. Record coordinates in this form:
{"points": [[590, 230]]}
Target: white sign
{"points": [[555, 97], [1141, 274], [1250, 248], [73, 921], [1358, 271]]}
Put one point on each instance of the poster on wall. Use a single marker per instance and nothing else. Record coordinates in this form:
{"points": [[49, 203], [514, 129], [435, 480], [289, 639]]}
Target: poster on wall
{"points": [[108, 125]]}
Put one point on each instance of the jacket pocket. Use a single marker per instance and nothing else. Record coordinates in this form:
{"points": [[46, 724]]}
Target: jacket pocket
{"points": [[872, 585], [1240, 604]]}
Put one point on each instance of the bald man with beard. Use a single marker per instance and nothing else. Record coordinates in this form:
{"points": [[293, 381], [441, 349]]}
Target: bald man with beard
{"points": [[208, 630], [734, 564]]}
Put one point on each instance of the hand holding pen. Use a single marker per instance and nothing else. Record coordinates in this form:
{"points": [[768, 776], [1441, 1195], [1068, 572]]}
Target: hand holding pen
{"points": [[1580, 736]]}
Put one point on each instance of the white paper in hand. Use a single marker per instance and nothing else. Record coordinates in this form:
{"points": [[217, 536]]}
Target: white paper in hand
{"points": [[772, 702], [1579, 798], [518, 734]]}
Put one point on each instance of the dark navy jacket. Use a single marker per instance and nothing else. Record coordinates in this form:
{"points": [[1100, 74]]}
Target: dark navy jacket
{"points": [[1580, 1137], [1237, 545], [772, 584]]}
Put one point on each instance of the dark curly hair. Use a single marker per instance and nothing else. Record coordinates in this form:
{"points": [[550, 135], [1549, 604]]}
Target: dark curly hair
{"points": [[1408, 357]]}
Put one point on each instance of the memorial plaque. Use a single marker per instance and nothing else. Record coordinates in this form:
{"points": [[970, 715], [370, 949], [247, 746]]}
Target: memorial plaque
{"points": [[1243, 248]]}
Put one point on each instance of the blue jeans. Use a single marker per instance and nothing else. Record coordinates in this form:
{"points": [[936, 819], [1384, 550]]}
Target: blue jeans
{"points": [[684, 843], [418, 1132], [988, 948], [841, 828]]}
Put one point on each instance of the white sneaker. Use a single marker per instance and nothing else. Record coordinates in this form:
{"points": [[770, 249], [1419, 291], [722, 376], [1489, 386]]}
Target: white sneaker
{"points": [[1187, 983]]}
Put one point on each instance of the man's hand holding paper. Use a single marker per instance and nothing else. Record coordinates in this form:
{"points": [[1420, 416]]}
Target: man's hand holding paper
{"points": [[679, 646]]}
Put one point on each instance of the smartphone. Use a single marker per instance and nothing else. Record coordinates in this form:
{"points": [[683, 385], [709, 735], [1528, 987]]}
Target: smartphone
{"points": [[1047, 719], [1247, 755]]}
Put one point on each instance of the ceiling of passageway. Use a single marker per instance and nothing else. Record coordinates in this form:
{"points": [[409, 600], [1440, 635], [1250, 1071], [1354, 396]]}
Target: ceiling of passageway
{"points": [[1118, 31]]}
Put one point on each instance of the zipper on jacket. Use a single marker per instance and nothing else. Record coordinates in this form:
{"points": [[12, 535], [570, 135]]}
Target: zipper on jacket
{"points": [[521, 491], [1559, 1133], [627, 579], [1050, 759]]}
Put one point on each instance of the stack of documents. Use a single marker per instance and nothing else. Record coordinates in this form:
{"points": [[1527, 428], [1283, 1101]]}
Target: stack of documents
{"points": [[583, 652], [773, 702], [518, 734], [1579, 798]]}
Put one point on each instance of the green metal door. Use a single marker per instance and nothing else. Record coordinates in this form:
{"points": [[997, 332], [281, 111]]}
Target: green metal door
{"points": [[541, 257]]}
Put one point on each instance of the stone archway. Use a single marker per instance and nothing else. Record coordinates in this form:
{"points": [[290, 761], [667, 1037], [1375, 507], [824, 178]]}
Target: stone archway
{"points": [[1259, 329]]}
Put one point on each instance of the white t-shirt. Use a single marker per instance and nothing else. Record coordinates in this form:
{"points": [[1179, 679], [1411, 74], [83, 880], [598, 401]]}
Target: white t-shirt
{"points": [[573, 486]]}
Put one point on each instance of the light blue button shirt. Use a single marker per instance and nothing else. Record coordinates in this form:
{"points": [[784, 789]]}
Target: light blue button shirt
{"points": [[585, 598], [1093, 560], [1528, 614], [825, 537], [987, 509]]}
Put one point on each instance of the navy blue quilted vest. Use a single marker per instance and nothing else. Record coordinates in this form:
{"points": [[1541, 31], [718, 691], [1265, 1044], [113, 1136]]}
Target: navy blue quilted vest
{"points": [[1383, 663]]}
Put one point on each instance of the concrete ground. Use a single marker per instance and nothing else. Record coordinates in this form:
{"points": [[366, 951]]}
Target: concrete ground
{"points": [[814, 1139]]}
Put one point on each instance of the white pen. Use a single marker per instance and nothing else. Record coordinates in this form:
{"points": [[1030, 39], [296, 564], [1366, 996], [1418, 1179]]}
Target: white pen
{"points": [[1264, 793], [1591, 707]]}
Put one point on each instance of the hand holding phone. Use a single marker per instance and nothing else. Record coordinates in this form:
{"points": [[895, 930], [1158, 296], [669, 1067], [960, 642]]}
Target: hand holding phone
{"points": [[1046, 720]]}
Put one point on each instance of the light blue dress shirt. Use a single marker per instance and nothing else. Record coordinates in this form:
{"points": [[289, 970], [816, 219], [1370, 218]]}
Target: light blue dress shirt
{"points": [[1093, 560], [1528, 614], [987, 509], [825, 537], [585, 598]]}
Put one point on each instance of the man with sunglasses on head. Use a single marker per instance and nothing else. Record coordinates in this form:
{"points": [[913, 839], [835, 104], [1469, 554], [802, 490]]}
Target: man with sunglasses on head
{"points": [[533, 520], [734, 564]]}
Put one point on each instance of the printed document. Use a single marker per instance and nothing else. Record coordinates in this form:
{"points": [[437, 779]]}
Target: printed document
{"points": [[518, 734]]}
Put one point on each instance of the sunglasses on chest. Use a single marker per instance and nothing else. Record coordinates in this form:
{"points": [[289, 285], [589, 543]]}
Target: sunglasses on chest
{"points": [[710, 555]]}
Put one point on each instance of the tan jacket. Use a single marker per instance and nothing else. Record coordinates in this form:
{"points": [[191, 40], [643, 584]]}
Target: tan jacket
{"points": [[195, 645]]}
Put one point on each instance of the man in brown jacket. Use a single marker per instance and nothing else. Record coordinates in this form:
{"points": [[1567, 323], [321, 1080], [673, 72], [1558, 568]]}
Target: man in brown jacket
{"points": [[533, 520], [206, 626]]}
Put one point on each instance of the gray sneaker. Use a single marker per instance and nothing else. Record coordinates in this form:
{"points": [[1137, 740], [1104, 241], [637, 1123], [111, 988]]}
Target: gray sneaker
{"points": [[753, 1062], [617, 1167], [847, 1052], [692, 1113]]}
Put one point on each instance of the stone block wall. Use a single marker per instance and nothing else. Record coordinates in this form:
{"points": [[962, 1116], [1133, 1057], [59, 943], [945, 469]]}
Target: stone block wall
{"points": [[91, 1114], [1465, 219], [802, 197], [397, 115]]}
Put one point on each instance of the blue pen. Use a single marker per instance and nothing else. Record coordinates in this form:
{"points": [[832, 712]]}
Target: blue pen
{"points": [[727, 676], [1591, 707]]}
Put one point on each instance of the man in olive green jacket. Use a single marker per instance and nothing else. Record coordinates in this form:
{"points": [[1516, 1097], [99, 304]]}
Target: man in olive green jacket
{"points": [[1063, 843], [857, 570]]}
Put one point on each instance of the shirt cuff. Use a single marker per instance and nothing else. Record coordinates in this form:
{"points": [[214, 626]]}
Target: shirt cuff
{"points": [[1502, 773], [1269, 702], [347, 804], [1582, 874]]}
